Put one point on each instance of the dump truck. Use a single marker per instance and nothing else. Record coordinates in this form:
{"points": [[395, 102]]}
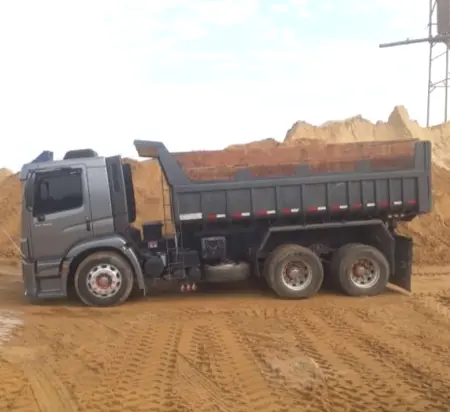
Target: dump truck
{"points": [[292, 232]]}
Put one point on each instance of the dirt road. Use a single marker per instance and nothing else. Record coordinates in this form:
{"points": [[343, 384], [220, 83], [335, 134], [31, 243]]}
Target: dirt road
{"points": [[228, 351]]}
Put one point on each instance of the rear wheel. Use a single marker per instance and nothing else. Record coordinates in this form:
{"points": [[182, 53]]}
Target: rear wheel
{"points": [[293, 272], [360, 270], [104, 279]]}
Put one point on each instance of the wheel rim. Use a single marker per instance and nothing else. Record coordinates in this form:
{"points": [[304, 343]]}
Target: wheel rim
{"points": [[364, 273], [104, 281], [297, 275]]}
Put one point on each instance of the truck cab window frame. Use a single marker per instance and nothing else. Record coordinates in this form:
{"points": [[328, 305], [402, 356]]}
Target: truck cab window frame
{"points": [[58, 191]]}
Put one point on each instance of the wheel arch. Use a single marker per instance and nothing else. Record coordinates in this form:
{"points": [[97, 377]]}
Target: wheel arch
{"points": [[116, 244], [371, 232]]}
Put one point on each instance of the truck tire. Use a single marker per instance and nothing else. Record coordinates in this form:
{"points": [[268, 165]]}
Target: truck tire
{"points": [[294, 272], [268, 264], [359, 270], [104, 279]]}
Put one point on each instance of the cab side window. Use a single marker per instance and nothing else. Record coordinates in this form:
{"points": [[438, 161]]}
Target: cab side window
{"points": [[58, 191]]}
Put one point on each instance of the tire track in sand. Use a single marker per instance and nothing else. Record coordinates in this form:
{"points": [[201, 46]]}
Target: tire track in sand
{"points": [[380, 385], [196, 385], [253, 388], [15, 392], [416, 332], [40, 386], [431, 270], [129, 366], [445, 302], [145, 370], [406, 366], [297, 381], [38, 382], [49, 392], [352, 377], [221, 365], [432, 305]]}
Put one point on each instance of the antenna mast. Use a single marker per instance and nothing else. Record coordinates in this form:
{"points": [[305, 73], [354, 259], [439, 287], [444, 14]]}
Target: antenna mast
{"points": [[438, 34]]}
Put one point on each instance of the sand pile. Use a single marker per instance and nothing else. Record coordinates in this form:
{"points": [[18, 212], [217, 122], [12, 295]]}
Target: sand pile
{"points": [[431, 232], [389, 144], [10, 206], [357, 129], [398, 126], [4, 173], [269, 143]]}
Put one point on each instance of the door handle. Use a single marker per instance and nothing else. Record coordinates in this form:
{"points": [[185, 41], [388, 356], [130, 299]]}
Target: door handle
{"points": [[88, 224]]}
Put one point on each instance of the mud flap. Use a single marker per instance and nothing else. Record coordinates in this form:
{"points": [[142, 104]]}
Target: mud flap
{"points": [[403, 263]]}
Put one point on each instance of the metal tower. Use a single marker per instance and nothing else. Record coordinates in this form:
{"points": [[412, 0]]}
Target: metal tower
{"points": [[438, 38]]}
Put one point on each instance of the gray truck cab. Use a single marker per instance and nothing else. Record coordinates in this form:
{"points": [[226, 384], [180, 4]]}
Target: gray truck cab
{"points": [[72, 206]]}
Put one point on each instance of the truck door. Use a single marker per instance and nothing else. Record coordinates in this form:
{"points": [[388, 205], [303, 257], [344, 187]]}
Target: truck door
{"points": [[61, 215]]}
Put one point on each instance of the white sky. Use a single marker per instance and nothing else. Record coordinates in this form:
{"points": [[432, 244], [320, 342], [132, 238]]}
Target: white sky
{"points": [[199, 74]]}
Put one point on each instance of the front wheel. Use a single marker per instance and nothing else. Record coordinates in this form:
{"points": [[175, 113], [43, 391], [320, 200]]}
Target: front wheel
{"points": [[294, 272], [360, 270], [104, 279]]}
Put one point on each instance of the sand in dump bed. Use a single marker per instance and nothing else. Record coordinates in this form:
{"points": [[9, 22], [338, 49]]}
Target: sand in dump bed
{"points": [[284, 160], [387, 144]]}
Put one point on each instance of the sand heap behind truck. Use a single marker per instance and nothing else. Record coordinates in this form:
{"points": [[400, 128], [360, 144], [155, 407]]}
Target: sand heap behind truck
{"points": [[288, 224]]}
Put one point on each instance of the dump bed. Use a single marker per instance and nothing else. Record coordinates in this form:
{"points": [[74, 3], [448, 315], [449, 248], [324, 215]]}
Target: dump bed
{"points": [[369, 190]]}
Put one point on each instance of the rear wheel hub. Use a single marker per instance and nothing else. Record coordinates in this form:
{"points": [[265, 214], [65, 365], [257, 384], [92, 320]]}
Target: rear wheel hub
{"points": [[297, 275], [365, 273]]}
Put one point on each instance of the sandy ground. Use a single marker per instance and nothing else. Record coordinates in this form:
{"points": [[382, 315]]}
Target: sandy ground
{"points": [[229, 351]]}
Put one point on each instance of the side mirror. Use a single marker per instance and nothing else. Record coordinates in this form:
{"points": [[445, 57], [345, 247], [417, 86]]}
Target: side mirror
{"points": [[29, 192]]}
